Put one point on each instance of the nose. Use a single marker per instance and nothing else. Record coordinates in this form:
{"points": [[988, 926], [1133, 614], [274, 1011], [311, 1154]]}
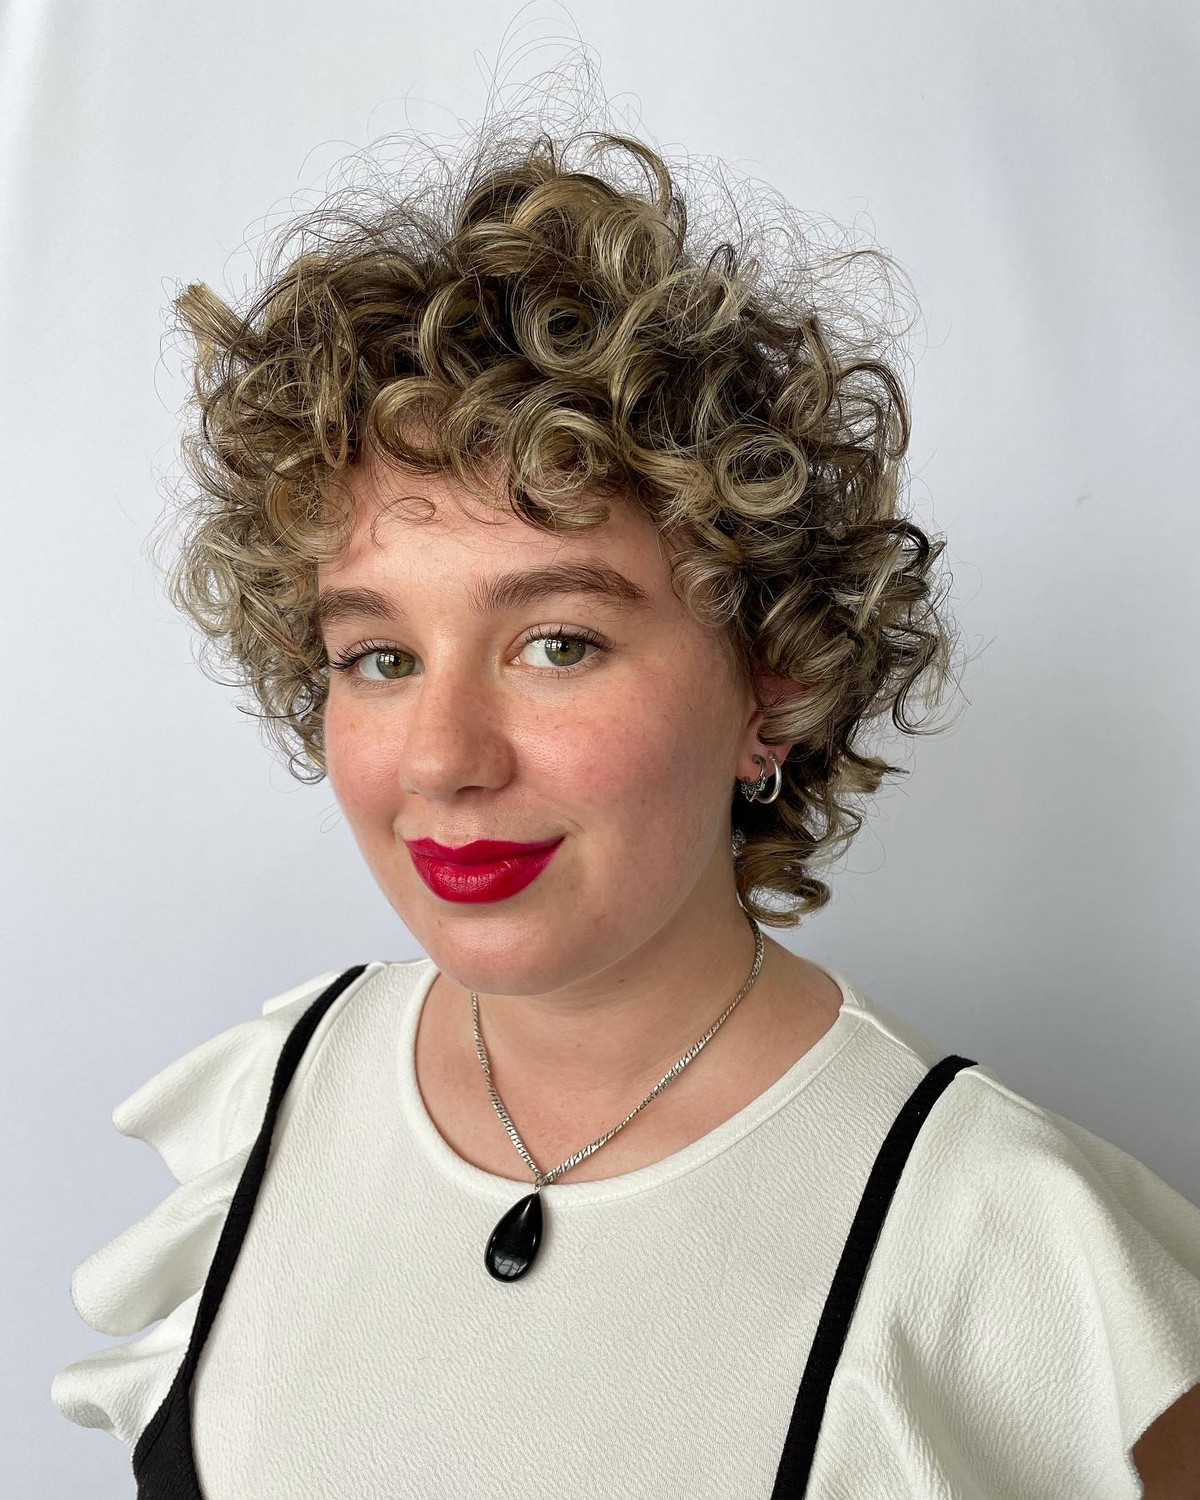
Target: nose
{"points": [[454, 734]]}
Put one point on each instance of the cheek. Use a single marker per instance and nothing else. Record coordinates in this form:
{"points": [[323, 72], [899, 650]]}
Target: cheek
{"points": [[650, 772], [598, 756], [359, 756]]}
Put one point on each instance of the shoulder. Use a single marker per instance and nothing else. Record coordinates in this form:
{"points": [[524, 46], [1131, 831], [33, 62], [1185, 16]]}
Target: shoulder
{"points": [[201, 1113], [208, 1103], [1022, 1171], [1034, 1296]]}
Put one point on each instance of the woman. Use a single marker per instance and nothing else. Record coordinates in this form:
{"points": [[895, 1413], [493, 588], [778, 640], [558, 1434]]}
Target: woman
{"points": [[571, 552]]}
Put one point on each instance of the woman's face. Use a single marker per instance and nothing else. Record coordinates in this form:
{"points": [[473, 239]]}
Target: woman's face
{"points": [[459, 725]]}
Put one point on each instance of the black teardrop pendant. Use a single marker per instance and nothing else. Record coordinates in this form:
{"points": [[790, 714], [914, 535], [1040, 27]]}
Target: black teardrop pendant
{"points": [[514, 1241]]}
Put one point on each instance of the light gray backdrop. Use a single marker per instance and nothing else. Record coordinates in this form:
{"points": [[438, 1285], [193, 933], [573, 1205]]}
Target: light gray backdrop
{"points": [[1027, 896]]}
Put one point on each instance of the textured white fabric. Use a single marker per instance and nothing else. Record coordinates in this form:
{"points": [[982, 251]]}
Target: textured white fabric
{"points": [[1033, 1302]]}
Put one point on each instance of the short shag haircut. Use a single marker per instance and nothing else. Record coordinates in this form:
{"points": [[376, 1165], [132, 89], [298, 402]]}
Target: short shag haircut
{"points": [[551, 310]]}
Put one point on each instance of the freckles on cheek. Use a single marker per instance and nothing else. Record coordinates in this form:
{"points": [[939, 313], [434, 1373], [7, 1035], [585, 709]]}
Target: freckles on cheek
{"points": [[341, 733], [607, 766], [357, 762]]}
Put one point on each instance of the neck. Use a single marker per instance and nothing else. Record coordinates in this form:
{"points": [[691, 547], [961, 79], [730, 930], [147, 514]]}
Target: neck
{"points": [[600, 1043]]}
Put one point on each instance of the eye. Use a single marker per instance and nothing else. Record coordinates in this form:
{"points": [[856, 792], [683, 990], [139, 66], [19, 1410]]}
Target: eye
{"points": [[391, 659], [566, 642], [366, 649]]}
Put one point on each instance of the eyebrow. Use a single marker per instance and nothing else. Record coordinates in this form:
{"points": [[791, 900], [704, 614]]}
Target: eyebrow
{"points": [[494, 595]]}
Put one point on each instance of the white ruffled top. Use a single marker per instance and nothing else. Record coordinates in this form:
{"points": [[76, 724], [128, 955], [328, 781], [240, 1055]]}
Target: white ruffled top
{"points": [[201, 1113], [1033, 1301]]}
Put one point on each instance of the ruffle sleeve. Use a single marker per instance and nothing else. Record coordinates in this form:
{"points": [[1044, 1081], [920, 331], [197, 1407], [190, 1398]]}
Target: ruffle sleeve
{"points": [[202, 1114], [1037, 1307]]}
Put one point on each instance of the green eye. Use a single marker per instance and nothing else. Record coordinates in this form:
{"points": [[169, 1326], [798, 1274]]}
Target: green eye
{"points": [[571, 642]]}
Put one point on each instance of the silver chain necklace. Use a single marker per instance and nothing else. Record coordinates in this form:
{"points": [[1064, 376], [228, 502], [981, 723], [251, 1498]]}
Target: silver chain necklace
{"points": [[514, 1242]]}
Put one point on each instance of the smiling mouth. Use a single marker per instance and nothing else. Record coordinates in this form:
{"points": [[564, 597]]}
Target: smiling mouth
{"points": [[479, 852], [488, 880]]}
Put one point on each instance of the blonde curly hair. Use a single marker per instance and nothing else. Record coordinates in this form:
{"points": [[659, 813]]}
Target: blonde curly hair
{"points": [[565, 324]]}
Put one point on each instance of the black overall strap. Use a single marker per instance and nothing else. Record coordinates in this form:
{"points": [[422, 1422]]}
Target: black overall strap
{"points": [[163, 1460], [791, 1479]]}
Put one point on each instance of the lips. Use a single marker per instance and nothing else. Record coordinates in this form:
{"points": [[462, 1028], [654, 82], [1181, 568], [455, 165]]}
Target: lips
{"points": [[481, 852], [485, 879]]}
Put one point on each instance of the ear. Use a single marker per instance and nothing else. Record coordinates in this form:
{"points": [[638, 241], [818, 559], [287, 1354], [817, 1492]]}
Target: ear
{"points": [[770, 691]]}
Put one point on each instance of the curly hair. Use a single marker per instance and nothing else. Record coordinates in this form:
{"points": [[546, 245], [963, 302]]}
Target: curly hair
{"points": [[565, 324]]}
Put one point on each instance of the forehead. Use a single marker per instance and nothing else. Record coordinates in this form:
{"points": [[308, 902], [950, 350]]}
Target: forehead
{"points": [[411, 524]]}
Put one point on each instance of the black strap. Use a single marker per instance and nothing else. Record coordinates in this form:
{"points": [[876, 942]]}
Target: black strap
{"points": [[163, 1460], [791, 1479]]}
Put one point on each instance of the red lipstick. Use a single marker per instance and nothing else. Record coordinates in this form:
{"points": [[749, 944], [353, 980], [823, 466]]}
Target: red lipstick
{"points": [[486, 870]]}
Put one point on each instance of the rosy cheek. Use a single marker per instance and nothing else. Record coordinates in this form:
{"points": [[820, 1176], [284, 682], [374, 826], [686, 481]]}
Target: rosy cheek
{"points": [[352, 758], [604, 769], [341, 731]]}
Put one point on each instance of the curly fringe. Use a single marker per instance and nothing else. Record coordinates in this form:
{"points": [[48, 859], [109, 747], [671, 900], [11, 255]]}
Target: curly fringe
{"points": [[566, 324]]}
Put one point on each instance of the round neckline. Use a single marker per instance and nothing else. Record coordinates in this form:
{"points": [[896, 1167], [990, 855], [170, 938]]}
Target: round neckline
{"points": [[442, 1156]]}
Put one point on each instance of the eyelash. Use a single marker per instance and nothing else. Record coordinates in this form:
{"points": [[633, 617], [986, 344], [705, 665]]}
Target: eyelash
{"points": [[347, 659]]}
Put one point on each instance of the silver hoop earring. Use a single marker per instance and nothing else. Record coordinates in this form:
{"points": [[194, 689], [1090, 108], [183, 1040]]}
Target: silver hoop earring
{"points": [[751, 789]]}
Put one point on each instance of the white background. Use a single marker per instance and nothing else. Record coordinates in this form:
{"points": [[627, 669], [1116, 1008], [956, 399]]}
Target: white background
{"points": [[1027, 896]]}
